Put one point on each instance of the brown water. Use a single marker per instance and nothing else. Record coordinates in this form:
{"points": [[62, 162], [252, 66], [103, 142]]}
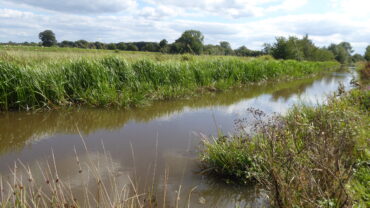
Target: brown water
{"points": [[165, 134]]}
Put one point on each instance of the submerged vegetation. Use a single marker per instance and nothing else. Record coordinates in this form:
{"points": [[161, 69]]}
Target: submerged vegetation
{"points": [[114, 81], [312, 157]]}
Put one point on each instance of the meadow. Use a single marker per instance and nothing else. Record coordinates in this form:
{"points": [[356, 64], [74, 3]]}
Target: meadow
{"points": [[47, 78]]}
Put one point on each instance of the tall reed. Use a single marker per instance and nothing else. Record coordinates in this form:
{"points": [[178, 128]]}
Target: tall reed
{"points": [[113, 81]]}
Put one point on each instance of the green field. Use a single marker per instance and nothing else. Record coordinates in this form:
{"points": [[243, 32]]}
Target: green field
{"points": [[36, 77]]}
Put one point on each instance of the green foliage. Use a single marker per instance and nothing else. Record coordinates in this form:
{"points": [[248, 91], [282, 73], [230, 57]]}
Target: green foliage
{"points": [[115, 81], [81, 44], [213, 50], [111, 46], [150, 47], [132, 47], [357, 58], [226, 48], [121, 46], [244, 51], [297, 49], [233, 160], [342, 52], [48, 38], [191, 41], [163, 43], [367, 53]]}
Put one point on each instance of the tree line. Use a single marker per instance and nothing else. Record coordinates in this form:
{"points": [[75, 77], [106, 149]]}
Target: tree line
{"points": [[192, 41]]}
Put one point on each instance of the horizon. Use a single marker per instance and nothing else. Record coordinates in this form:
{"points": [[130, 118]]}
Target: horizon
{"points": [[240, 22]]}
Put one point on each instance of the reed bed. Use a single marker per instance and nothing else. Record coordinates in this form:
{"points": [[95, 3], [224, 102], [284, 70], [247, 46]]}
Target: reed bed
{"points": [[116, 81]]}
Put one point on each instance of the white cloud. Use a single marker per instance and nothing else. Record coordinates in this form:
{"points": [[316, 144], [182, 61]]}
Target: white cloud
{"points": [[231, 8], [353, 8], [169, 18]]}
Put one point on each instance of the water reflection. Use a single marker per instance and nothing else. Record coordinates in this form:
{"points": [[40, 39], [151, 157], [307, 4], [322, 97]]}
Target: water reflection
{"points": [[164, 130]]}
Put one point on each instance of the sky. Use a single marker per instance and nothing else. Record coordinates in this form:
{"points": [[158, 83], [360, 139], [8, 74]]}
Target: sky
{"points": [[240, 22]]}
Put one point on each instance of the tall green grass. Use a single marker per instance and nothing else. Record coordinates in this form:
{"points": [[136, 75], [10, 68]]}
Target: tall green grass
{"points": [[113, 81]]}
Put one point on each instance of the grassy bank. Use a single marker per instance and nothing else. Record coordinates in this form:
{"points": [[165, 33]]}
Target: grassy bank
{"points": [[311, 157], [115, 81]]}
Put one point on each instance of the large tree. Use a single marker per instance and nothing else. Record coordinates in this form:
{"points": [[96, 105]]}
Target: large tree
{"points": [[48, 38], [367, 53], [342, 52], [191, 41], [299, 49]]}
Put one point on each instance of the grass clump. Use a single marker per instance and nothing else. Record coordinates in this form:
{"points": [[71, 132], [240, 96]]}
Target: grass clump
{"points": [[311, 157], [114, 81], [232, 159]]}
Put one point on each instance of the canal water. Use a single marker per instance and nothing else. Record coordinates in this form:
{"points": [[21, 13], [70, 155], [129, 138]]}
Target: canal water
{"points": [[156, 144]]}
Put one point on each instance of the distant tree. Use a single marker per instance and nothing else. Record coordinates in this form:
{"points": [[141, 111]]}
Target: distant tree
{"points": [[111, 46], [66, 43], [357, 57], [132, 47], [122, 46], [287, 49], [341, 52], [210, 49], [152, 47], [99, 45], [48, 38], [298, 49], [322, 54], [175, 48], [165, 49], [244, 51], [191, 41], [163, 43], [226, 47], [267, 48], [367, 53], [347, 46], [81, 44]]}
